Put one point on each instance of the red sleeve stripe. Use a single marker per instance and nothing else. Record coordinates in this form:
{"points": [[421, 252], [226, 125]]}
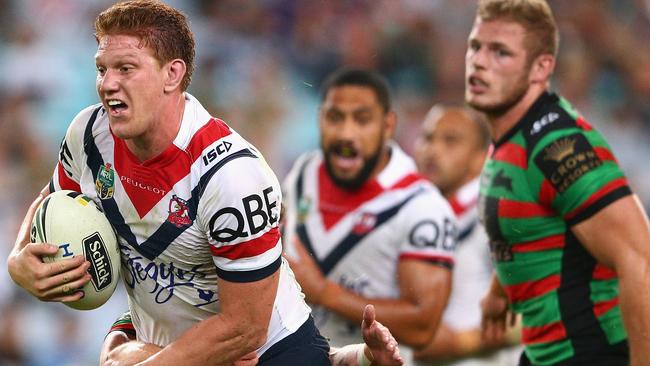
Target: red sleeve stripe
{"points": [[603, 273], [602, 307], [607, 188], [66, 182], [546, 243], [605, 154], [247, 249], [583, 124], [434, 258], [543, 334], [547, 193], [124, 327], [528, 290], [520, 210], [512, 154]]}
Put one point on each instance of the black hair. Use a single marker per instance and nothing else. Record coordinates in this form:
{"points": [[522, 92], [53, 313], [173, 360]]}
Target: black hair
{"points": [[358, 77]]}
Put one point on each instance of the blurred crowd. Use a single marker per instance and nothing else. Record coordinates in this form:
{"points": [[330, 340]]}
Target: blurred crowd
{"points": [[259, 67]]}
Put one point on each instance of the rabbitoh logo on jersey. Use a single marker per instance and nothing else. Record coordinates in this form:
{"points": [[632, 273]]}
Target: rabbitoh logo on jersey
{"points": [[105, 182], [179, 213]]}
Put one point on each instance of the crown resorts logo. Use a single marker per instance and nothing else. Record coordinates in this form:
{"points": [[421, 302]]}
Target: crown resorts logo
{"points": [[560, 149], [105, 182], [568, 159]]}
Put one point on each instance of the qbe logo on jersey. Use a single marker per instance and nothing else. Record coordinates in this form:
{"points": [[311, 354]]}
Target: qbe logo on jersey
{"points": [[100, 268]]}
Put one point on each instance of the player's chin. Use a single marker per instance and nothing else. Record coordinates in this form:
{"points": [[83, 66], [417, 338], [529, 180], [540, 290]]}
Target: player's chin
{"points": [[120, 130]]}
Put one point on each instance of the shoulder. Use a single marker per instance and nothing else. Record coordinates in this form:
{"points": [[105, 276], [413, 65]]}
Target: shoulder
{"points": [[554, 118], [299, 167], [83, 124]]}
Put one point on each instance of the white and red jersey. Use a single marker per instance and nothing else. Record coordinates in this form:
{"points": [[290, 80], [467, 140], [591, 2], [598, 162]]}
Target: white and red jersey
{"points": [[358, 238], [473, 269], [206, 208], [471, 279]]}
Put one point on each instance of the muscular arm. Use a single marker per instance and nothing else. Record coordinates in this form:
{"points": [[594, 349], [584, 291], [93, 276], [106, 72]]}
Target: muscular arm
{"points": [[618, 236], [239, 329], [412, 319]]}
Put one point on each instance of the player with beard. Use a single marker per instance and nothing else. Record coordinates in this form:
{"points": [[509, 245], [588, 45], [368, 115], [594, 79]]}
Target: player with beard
{"points": [[362, 226], [568, 237]]}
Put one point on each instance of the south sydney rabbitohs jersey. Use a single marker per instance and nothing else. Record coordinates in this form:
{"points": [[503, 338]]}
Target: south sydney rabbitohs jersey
{"points": [[206, 208], [551, 171], [358, 238]]}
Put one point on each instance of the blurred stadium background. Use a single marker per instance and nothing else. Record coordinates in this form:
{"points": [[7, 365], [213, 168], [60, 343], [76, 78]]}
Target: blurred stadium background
{"points": [[259, 65]]}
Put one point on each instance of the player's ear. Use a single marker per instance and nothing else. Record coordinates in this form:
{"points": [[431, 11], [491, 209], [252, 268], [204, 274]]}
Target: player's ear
{"points": [[391, 123], [542, 68], [175, 70]]}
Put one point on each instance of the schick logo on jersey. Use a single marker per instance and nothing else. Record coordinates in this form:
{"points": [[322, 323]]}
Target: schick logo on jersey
{"points": [[105, 182], [179, 213], [100, 268]]}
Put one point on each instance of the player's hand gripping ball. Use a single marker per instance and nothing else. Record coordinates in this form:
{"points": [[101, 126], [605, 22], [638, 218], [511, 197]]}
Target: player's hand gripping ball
{"points": [[74, 223]]}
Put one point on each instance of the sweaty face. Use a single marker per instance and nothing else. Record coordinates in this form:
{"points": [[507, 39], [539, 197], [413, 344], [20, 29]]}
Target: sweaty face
{"points": [[448, 150], [352, 128], [496, 67], [129, 83]]}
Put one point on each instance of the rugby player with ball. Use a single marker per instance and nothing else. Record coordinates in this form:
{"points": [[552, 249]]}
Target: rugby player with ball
{"points": [[194, 205]]}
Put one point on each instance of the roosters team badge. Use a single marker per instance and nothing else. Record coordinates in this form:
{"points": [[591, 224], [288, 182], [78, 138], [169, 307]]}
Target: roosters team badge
{"points": [[179, 213]]}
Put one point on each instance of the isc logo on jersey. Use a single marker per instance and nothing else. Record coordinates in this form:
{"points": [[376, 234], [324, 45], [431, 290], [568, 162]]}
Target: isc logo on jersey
{"points": [[77, 226]]}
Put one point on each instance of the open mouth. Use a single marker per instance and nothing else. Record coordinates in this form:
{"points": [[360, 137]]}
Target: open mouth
{"points": [[345, 156], [477, 84], [116, 106]]}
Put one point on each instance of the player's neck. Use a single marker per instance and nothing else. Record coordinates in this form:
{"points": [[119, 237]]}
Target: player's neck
{"points": [[384, 158], [503, 122], [162, 132]]}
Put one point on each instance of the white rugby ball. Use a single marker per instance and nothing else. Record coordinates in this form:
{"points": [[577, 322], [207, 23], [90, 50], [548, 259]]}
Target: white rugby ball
{"points": [[74, 223]]}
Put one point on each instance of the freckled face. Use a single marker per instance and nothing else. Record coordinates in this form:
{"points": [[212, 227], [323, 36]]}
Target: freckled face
{"points": [[130, 83]]}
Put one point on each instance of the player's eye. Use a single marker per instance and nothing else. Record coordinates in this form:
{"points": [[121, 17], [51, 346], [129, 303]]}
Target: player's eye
{"points": [[334, 116]]}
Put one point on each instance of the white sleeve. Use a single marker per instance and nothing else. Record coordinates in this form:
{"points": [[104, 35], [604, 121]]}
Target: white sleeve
{"points": [[241, 212], [291, 200], [67, 173], [429, 230]]}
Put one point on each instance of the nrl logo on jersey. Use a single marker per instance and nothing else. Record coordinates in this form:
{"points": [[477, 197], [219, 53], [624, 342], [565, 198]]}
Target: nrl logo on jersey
{"points": [[179, 212], [105, 182], [303, 209]]}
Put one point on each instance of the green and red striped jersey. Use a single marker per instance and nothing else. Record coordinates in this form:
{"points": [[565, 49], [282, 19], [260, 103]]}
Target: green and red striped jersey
{"points": [[552, 170]]}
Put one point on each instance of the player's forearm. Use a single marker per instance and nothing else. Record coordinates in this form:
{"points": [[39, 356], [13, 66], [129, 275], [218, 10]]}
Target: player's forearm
{"points": [[635, 306], [119, 350], [410, 323], [449, 344], [218, 340]]}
